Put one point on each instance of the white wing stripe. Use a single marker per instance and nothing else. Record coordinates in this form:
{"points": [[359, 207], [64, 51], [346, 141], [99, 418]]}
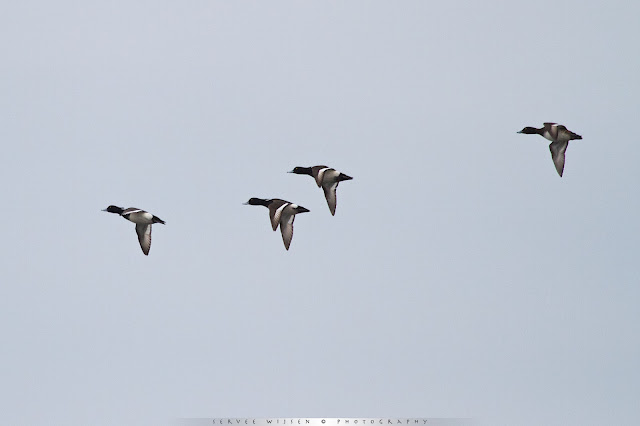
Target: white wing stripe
{"points": [[279, 210]]}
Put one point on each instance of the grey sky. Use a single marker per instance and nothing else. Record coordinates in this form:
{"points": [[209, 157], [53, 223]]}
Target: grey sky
{"points": [[460, 277]]}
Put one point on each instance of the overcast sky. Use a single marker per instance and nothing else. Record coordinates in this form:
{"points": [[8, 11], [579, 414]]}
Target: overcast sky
{"points": [[460, 276]]}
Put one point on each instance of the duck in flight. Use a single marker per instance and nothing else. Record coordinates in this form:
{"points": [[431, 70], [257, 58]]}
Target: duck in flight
{"points": [[327, 179], [143, 221], [559, 136], [281, 213]]}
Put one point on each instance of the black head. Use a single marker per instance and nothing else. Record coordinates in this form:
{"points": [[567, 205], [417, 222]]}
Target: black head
{"points": [[302, 171], [114, 209], [258, 202], [530, 131]]}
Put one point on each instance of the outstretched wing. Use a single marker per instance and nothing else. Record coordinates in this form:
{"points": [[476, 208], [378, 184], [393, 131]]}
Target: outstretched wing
{"points": [[557, 154], [144, 237], [286, 228], [330, 195]]}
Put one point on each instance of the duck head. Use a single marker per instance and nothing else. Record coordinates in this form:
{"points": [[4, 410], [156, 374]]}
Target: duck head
{"points": [[257, 202], [302, 171], [114, 209], [530, 131]]}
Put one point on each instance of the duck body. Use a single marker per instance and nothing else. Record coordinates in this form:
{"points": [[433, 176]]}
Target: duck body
{"points": [[143, 221], [326, 178], [282, 213], [559, 136]]}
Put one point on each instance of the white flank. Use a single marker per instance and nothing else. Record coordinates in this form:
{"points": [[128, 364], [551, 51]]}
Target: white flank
{"points": [[321, 175]]}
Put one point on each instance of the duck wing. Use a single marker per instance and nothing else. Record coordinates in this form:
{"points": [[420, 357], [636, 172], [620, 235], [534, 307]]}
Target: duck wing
{"points": [[557, 154], [286, 228], [275, 211], [330, 195], [144, 237]]}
